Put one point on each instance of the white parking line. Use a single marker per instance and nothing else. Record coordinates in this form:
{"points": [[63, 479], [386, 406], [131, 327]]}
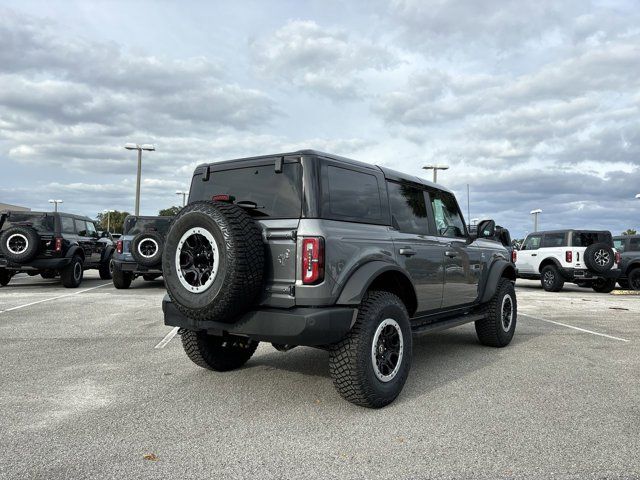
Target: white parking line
{"points": [[167, 338], [53, 298], [575, 328]]}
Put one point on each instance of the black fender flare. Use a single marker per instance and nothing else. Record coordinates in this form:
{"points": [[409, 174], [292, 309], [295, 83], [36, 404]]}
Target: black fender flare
{"points": [[360, 281], [632, 265], [496, 272], [546, 261], [107, 253], [73, 250]]}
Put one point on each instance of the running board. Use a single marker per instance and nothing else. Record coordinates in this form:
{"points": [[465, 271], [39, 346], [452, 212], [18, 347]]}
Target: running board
{"points": [[445, 324]]}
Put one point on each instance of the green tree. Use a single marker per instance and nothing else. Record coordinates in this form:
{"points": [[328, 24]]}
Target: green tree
{"points": [[116, 220], [169, 212], [629, 231]]}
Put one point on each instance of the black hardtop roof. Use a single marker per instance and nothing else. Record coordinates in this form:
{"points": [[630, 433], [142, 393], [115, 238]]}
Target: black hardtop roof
{"points": [[149, 217], [565, 230], [31, 212], [388, 172], [622, 237]]}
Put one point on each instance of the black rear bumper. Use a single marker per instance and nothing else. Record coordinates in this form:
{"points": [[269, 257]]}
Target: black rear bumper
{"points": [[295, 326], [133, 267], [576, 275]]}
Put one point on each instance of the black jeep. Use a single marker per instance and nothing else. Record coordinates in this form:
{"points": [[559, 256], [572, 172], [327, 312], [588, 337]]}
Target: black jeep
{"points": [[52, 244], [139, 250]]}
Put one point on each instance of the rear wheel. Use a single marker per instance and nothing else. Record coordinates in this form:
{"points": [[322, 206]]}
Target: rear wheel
{"points": [[73, 273], [220, 354], [499, 324], [604, 285], [121, 280], [5, 277], [551, 279], [634, 279], [370, 365]]}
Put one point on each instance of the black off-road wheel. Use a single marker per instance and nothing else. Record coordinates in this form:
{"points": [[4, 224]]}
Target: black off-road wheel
{"points": [[604, 285], [146, 248], [19, 244], [551, 279], [220, 354], [5, 277], [73, 273], [121, 280], [369, 367], [106, 269], [501, 314], [634, 279], [213, 263]]}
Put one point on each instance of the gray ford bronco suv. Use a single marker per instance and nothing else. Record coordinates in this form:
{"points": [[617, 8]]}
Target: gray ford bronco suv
{"points": [[313, 249]]}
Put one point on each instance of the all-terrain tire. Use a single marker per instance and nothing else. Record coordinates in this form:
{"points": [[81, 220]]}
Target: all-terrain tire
{"points": [[121, 280], [146, 248], [73, 273], [551, 279], [5, 277], [604, 285], [634, 278], [351, 361], [106, 269], [233, 284], [19, 244], [220, 354], [599, 257], [501, 314]]}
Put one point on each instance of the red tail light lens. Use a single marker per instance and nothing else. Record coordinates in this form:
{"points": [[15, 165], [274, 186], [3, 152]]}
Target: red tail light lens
{"points": [[514, 255], [618, 257], [568, 256], [119, 246], [58, 244], [312, 260], [223, 198]]}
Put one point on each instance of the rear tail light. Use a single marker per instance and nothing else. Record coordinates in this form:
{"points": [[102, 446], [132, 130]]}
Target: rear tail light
{"points": [[514, 255], [223, 198], [568, 255], [312, 260], [119, 246], [618, 257], [58, 246]]}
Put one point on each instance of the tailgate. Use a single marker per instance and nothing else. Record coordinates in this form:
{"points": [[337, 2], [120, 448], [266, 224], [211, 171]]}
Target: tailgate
{"points": [[280, 262]]}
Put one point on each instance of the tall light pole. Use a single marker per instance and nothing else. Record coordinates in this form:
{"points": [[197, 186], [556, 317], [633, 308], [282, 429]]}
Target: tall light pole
{"points": [[55, 203], [139, 148], [435, 169], [184, 196], [535, 214], [108, 212]]}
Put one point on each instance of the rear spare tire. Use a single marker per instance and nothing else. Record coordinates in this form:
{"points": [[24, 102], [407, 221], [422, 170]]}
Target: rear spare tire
{"points": [[213, 262], [19, 244], [146, 248], [599, 257]]}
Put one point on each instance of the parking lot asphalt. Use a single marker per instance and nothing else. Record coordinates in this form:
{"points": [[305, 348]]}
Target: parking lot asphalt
{"points": [[89, 389]]}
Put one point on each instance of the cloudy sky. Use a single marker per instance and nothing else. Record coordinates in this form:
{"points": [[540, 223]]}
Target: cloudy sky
{"points": [[533, 104]]}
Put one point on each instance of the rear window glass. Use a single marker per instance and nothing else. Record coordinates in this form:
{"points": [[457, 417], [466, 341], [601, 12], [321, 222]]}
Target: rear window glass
{"points": [[553, 240], [134, 225], [353, 195], [408, 208], [41, 222], [584, 239], [270, 194]]}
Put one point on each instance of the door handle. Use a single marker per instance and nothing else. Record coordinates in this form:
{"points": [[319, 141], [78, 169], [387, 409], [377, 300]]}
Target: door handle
{"points": [[407, 251], [534, 254], [451, 254]]}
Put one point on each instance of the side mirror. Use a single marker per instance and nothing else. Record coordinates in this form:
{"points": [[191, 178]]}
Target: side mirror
{"points": [[486, 229]]}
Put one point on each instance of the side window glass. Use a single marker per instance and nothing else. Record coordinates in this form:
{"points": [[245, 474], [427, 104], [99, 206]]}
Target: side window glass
{"points": [[81, 227], [448, 220], [553, 240], [91, 230], [67, 225], [532, 243], [353, 194], [618, 244], [634, 244], [408, 208]]}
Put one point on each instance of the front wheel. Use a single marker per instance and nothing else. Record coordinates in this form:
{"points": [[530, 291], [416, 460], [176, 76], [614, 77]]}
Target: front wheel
{"points": [[73, 273], [499, 324], [604, 285], [220, 354], [106, 269], [551, 279], [370, 365], [5, 277], [634, 279]]}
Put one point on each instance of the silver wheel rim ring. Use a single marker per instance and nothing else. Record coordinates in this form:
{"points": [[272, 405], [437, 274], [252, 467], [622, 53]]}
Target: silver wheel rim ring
{"points": [[155, 244], [504, 300], [77, 270], [549, 277], [602, 257], [386, 378], [216, 256], [18, 235]]}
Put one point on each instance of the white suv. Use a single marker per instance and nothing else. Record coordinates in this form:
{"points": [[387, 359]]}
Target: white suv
{"points": [[584, 257]]}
